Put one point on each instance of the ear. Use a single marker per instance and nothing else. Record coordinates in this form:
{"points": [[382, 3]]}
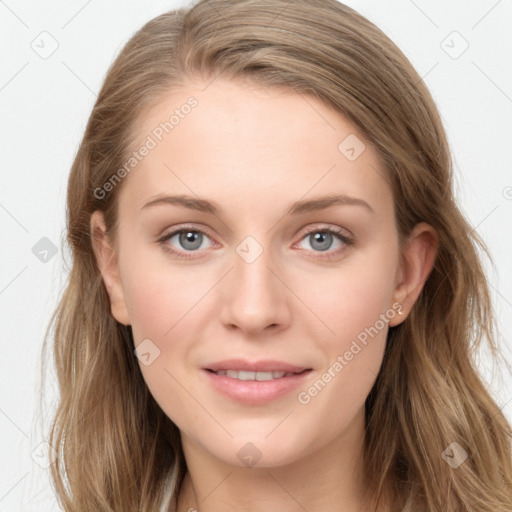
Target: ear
{"points": [[417, 259], [106, 259]]}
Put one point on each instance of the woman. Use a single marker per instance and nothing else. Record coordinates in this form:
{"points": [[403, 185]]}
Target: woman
{"points": [[274, 299]]}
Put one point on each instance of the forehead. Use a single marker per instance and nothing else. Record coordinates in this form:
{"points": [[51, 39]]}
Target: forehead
{"points": [[256, 147]]}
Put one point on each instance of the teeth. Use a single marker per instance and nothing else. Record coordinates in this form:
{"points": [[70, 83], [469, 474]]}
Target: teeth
{"points": [[259, 376]]}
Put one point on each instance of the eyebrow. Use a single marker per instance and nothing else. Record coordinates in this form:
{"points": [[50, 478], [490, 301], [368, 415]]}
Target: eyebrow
{"points": [[214, 208]]}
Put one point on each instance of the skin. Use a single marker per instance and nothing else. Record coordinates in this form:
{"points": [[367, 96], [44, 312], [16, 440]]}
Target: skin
{"points": [[255, 151]]}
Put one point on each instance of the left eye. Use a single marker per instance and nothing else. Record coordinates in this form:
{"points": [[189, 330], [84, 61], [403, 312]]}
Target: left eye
{"points": [[322, 239]]}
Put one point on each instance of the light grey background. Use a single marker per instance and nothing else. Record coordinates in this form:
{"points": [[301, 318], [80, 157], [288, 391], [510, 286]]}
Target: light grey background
{"points": [[45, 101]]}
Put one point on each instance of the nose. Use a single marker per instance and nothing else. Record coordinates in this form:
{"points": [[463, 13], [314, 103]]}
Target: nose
{"points": [[254, 297]]}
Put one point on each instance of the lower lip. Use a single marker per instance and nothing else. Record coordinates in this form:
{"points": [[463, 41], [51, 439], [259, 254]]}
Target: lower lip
{"points": [[256, 392]]}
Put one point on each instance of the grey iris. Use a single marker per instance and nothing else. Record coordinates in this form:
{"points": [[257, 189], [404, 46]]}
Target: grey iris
{"points": [[192, 237], [324, 240]]}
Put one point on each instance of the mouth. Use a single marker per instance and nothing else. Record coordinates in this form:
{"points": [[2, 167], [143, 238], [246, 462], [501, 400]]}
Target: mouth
{"points": [[256, 376], [255, 387]]}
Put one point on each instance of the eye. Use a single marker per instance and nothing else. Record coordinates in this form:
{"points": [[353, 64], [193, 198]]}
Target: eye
{"points": [[187, 240], [321, 240]]}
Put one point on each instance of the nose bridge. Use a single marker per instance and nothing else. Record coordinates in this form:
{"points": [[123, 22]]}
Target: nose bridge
{"points": [[251, 264], [255, 298]]}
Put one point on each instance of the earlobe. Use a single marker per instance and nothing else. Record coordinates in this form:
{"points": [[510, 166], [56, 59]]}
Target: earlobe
{"points": [[418, 257], [107, 263]]}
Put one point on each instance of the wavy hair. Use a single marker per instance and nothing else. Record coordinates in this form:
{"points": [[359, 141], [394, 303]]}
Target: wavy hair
{"points": [[117, 450]]}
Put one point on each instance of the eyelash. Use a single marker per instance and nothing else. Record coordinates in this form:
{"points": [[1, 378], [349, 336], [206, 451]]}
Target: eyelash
{"points": [[179, 254]]}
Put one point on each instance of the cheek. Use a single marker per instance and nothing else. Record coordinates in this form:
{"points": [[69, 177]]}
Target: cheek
{"points": [[158, 293], [161, 300], [354, 305], [353, 348], [353, 297]]}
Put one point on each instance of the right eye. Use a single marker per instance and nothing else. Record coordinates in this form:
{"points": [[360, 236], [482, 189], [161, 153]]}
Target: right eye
{"points": [[188, 239]]}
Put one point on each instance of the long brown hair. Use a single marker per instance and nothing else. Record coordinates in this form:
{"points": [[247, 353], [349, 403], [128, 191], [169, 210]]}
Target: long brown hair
{"points": [[117, 449]]}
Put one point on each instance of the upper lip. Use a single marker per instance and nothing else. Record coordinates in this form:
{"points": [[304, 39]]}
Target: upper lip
{"points": [[255, 366]]}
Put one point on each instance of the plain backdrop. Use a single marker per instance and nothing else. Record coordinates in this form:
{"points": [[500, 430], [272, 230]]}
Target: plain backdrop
{"points": [[54, 56]]}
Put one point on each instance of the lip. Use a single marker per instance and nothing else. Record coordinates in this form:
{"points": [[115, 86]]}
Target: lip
{"points": [[255, 392], [255, 366]]}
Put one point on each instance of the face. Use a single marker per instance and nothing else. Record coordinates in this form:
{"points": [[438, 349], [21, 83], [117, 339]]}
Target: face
{"points": [[268, 277]]}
